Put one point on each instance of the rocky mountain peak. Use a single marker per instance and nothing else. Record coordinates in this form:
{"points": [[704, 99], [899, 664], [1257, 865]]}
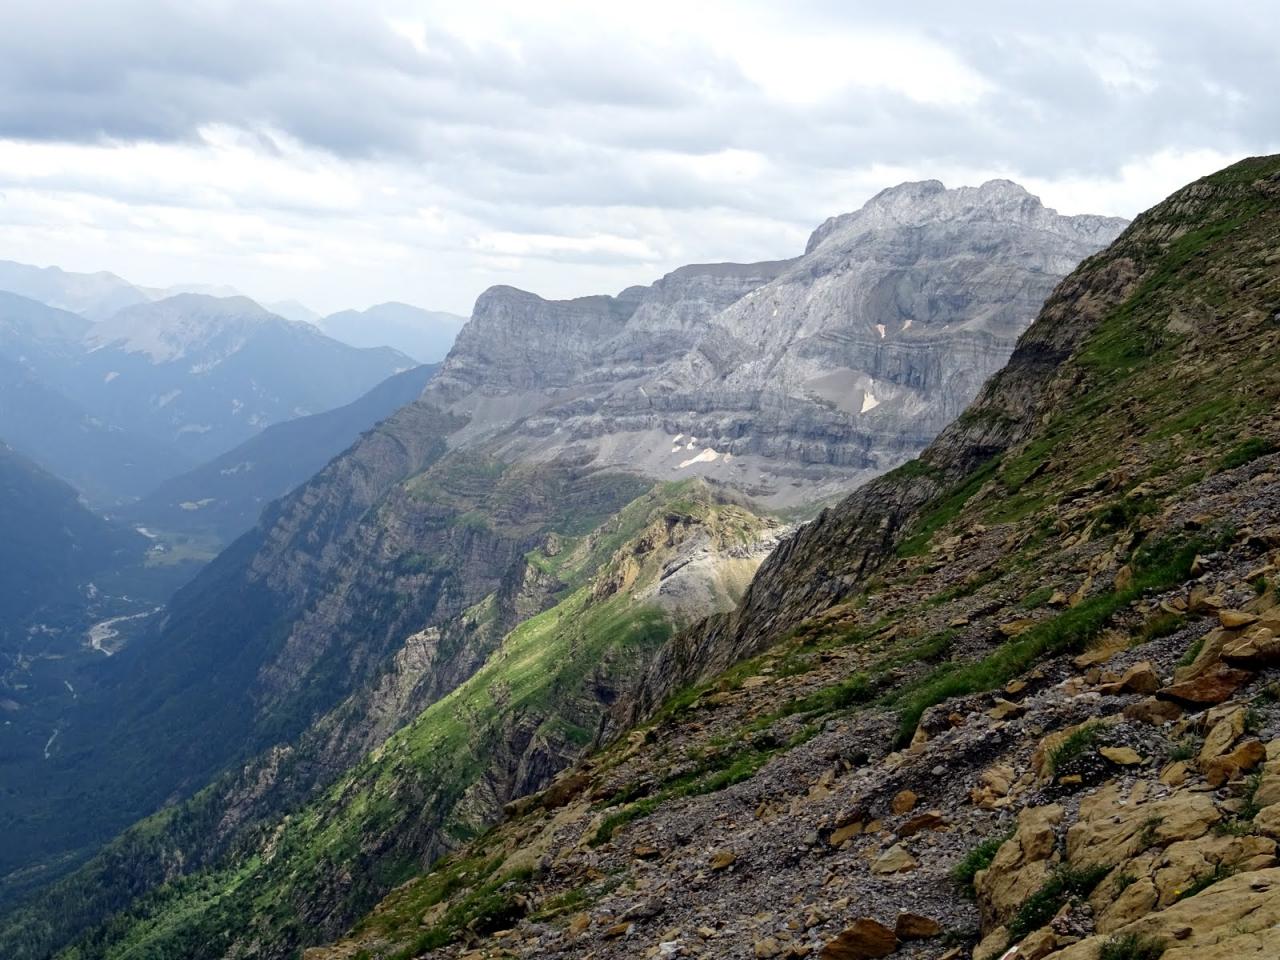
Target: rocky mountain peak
{"points": [[925, 202]]}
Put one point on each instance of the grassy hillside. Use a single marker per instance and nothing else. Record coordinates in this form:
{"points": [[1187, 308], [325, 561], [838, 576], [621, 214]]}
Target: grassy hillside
{"points": [[534, 706]]}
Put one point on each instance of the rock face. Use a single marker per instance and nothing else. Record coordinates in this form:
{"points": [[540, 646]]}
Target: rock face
{"points": [[791, 379]]}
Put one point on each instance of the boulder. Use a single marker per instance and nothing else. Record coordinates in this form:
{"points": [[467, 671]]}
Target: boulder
{"points": [[912, 926], [1139, 678], [1253, 651], [1021, 865], [1222, 735], [1236, 619], [1205, 690], [866, 939], [1153, 711], [1122, 756], [904, 802], [897, 859], [1231, 765]]}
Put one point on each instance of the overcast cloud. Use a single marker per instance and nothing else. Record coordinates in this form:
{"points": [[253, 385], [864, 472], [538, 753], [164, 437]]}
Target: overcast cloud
{"points": [[347, 153]]}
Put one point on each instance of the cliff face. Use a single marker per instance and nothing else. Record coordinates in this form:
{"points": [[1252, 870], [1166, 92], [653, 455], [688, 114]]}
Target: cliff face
{"points": [[792, 379]]}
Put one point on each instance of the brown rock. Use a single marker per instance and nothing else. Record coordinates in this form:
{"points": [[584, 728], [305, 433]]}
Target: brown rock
{"points": [[645, 852], [1235, 619], [578, 923], [904, 802], [1124, 756], [1124, 577], [1175, 774], [1004, 709], [1206, 690], [723, 859], [1057, 599], [847, 832], [897, 859], [618, 930], [912, 926], [768, 948], [1038, 945], [1015, 628], [1152, 711], [1222, 735], [1021, 865], [1257, 649], [929, 820], [867, 939], [1140, 678], [1231, 765]]}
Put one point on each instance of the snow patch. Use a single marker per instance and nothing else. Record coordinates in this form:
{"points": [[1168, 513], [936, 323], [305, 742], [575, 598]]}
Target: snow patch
{"points": [[195, 428], [167, 398], [190, 505], [110, 375], [706, 456], [869, 401], [243, 467], [880, 329]]}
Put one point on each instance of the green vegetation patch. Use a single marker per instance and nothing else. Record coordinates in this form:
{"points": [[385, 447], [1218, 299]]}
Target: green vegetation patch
{"points": [[1132, 946], [1065, 884]]}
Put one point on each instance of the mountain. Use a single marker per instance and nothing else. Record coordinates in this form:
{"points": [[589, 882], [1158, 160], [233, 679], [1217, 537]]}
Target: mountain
{"points": [[225, 496], [50, 547], [103, 460], [94, 296], [995, 655], [1019, 692], [387, 581], [425, 335], [791, 380], [206, 373], [301, 313]]}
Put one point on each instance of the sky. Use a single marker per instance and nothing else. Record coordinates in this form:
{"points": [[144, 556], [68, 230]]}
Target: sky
{"points": [[347, 153]]}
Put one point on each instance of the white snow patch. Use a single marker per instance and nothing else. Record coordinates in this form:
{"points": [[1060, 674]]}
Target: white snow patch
{"points": [[195, 428], [880, 328], [110, 375], [190, 505], [165, 399], [907, 325], [677, 438], [706, 456], [869, 401], [243, 467], [146, 533]]}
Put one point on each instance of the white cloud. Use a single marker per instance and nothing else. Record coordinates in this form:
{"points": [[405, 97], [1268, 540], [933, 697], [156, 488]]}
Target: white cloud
{"points": [[345, 153]]}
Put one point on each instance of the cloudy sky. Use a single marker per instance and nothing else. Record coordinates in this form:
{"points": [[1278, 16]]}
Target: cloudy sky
{"points": [[347, 153]]}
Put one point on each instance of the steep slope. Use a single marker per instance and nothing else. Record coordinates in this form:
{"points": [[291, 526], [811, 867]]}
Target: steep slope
{"points": [[527, 712], [50, 547], [224, 497], [207, 373], [425, 335], [924, 663]]}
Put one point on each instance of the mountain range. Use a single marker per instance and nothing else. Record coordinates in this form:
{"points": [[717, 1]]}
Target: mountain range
{"points": [[120, 405], [492, 568]]}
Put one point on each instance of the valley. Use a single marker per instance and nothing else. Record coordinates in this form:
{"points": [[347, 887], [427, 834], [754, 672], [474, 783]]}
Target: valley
{"points": [[513, 482]]}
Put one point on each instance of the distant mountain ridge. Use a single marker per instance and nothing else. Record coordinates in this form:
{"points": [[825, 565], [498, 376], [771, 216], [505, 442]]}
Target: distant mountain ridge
{"points": [[425, 335], [176, 381], [225, 496]]}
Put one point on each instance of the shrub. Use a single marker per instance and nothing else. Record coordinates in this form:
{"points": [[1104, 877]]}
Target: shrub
{"points": [[978, 858], [1132, 946], [1064, 884]]}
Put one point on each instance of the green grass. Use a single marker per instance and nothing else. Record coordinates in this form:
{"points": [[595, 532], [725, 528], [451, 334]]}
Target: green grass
{"points": [[1185, 749], [1066, 883], [945, 509], [1163, 565], [976, 860], [1204, 882], [1246, 452], [1132, 946], [1074, 747]]}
